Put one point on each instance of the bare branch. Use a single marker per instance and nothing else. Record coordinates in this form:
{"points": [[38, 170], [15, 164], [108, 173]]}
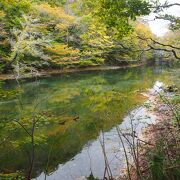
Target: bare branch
{"points": [[23, 128], [172, 50], [168, 45], [168, 5], [157, 7]]}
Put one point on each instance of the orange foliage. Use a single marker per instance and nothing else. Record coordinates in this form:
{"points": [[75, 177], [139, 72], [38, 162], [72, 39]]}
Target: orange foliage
{"points": [[56, 14]]}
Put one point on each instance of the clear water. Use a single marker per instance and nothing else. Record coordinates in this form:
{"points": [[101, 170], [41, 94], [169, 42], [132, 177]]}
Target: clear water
{"points": [[90, 161], [71, 110]]}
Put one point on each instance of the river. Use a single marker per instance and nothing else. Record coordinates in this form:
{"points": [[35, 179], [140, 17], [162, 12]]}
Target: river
{"points": [[72, 111]]}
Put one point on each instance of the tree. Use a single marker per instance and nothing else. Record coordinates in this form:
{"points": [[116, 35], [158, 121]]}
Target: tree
{"points": [[3, 40], [13, 10], [33, 33], [117, 14], [164, 44], [28, 41]]}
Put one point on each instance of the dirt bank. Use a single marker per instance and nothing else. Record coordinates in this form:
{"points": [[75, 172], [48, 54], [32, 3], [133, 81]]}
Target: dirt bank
{"points": [[158, 158], [73, 70]]}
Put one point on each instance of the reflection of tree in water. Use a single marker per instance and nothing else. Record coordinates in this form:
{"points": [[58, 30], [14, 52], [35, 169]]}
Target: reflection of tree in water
{"points": [[58, 137]]}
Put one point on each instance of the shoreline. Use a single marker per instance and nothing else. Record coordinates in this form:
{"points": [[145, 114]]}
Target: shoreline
{"points": [[49, 72], [159, 131]]}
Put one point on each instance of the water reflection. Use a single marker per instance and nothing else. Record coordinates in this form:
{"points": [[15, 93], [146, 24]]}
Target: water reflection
{"points": [[91, 159], [99, 100]]}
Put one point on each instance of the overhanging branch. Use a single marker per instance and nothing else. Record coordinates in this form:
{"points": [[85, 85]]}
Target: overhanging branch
{"points": [[159, 7], [151, 47]]}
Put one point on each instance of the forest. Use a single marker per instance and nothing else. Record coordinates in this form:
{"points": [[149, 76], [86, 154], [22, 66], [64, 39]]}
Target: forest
{"points": [[67, 34], [88, 90]]}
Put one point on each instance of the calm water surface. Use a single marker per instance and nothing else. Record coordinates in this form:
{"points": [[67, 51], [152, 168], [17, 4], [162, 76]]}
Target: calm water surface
{"points": [[71, 111]]}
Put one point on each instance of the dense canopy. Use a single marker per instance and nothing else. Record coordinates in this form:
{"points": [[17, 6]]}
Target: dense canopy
{"points": [[74, 33]]}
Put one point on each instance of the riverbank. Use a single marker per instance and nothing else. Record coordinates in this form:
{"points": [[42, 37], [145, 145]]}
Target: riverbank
{"points": [[49, 72], [158, 158]]}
